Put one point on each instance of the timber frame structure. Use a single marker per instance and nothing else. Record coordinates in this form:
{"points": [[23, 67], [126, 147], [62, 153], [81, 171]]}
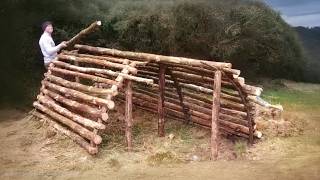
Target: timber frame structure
{"points": [[83, 83]]}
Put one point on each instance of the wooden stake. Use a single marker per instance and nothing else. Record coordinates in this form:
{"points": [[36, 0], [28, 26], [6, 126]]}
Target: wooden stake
{"points": [[161, 100], [215, 115], [128, 115]]}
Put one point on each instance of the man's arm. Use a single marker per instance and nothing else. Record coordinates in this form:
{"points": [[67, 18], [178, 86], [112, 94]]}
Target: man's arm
{"points": [[52, 49]]}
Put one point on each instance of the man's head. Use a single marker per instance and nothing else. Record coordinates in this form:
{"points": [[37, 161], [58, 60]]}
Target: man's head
{"points": [[47, 27]]}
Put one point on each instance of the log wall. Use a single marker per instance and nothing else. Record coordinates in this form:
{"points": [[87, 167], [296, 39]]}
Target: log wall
{"points": [[81, 86]]}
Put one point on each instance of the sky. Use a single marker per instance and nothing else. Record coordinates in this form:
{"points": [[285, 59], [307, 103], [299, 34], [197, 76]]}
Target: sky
{"points": [[298, 12]]}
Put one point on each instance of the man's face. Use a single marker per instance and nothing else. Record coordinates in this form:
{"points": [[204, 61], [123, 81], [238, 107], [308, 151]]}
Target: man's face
{"points": [[49, 29]]}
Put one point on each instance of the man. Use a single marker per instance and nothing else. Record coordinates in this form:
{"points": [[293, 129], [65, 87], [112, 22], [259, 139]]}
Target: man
{"points": [[47, 45]]}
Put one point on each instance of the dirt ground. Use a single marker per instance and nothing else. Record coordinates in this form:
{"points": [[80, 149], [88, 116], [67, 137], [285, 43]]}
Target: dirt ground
{"points": [[29, 150]]}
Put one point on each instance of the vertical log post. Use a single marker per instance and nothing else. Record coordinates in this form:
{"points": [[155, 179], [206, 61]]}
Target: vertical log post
{"points": [[215, 115], [161, 100], [128, 114]]}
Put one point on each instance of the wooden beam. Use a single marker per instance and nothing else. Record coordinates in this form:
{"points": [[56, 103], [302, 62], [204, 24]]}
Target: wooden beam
{"points": [[215, 115], [161, 100], [179, 91], [128, 114]]}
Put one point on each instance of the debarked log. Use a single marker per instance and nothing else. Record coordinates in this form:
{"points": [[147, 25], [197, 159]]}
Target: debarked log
{"points": [[72, 125], [83, 75], [75, 137], [149, 57], [97, 61], [77, 86], [92, 111], [102, 71], [83, 33], [79, 95], [63, 111]]}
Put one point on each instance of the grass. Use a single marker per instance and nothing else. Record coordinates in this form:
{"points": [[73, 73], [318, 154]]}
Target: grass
{"points": [[292, 98]]}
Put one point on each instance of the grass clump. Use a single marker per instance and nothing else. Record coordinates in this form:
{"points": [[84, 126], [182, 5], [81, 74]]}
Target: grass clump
{"points": [[165, 157], [240, 148]]}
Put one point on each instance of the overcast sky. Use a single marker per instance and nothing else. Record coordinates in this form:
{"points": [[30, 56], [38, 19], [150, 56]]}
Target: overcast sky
{"points": [[298, 12]]}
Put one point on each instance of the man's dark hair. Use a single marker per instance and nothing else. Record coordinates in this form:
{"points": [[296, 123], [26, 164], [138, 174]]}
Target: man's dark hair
{"points": [[45, 24]]}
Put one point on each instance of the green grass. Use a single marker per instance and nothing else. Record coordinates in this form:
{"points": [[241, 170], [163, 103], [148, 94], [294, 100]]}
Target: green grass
{"points": [[292, 98]]}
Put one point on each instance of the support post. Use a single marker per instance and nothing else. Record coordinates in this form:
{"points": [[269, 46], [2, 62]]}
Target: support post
{"points": [[215, 115], [128, 114], [179, 91], [161, 100]]}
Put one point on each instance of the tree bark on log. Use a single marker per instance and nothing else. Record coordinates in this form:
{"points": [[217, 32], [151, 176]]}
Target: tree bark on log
{"points": [[79, 95], [77, 86], [149, 57], [97, 61], [94, 112], [83, 75], [94, 26], [215, 115], [72, 125], [128, 115], [179, 92], [102, 71], [73, 136], [65, 112], [161, 100]]}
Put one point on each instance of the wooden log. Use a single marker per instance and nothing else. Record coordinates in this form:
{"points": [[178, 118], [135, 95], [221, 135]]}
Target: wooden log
{"points": [[102, 71], [97, 61], [128, 115], [161, 100], [48, 102], [197, 110], [179, 92], [200, 117], [94, 26], [77, 86], [120, 78], [83, 75], [94, 112], [243, 97], [73, 136], [72, 125], [149, 57], [79, 95], [238, 130], [191, 102], [215, 115]]}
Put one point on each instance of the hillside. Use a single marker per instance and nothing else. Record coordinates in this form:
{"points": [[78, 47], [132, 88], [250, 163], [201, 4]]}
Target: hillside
{"points": [[310, 38]]}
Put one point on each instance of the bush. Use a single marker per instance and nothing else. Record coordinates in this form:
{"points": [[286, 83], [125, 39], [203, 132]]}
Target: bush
{"points": [[246, 33]]}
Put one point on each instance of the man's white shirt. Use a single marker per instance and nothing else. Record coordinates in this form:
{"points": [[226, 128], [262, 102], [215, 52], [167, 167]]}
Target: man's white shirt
{"points": [[48, 47]]}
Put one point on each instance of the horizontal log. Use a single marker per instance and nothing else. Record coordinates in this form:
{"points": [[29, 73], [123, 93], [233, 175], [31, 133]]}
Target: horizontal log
{"points": [[238, 129], [94, 112], [198, 111], [79, 95], [192, 100], [149, 57], [197, 116], [77, 86], [83, 75], [73, 136], [72, 125], [65, 112], [102, 71], [97, 61]]}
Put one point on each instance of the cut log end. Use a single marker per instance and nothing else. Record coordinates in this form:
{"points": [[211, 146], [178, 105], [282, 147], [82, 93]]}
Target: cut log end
{"points": [[99, 23]]}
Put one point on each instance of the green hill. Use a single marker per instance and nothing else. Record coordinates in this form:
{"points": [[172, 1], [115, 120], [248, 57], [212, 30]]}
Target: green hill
{"points": [[310, 38]]}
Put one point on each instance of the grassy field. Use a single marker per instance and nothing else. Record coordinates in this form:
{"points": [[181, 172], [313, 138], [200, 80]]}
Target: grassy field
{"points": [[29, 151]]}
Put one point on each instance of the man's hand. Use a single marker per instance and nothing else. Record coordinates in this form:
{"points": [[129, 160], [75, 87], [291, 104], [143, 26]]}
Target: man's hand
{"points": [[63, 44]]}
